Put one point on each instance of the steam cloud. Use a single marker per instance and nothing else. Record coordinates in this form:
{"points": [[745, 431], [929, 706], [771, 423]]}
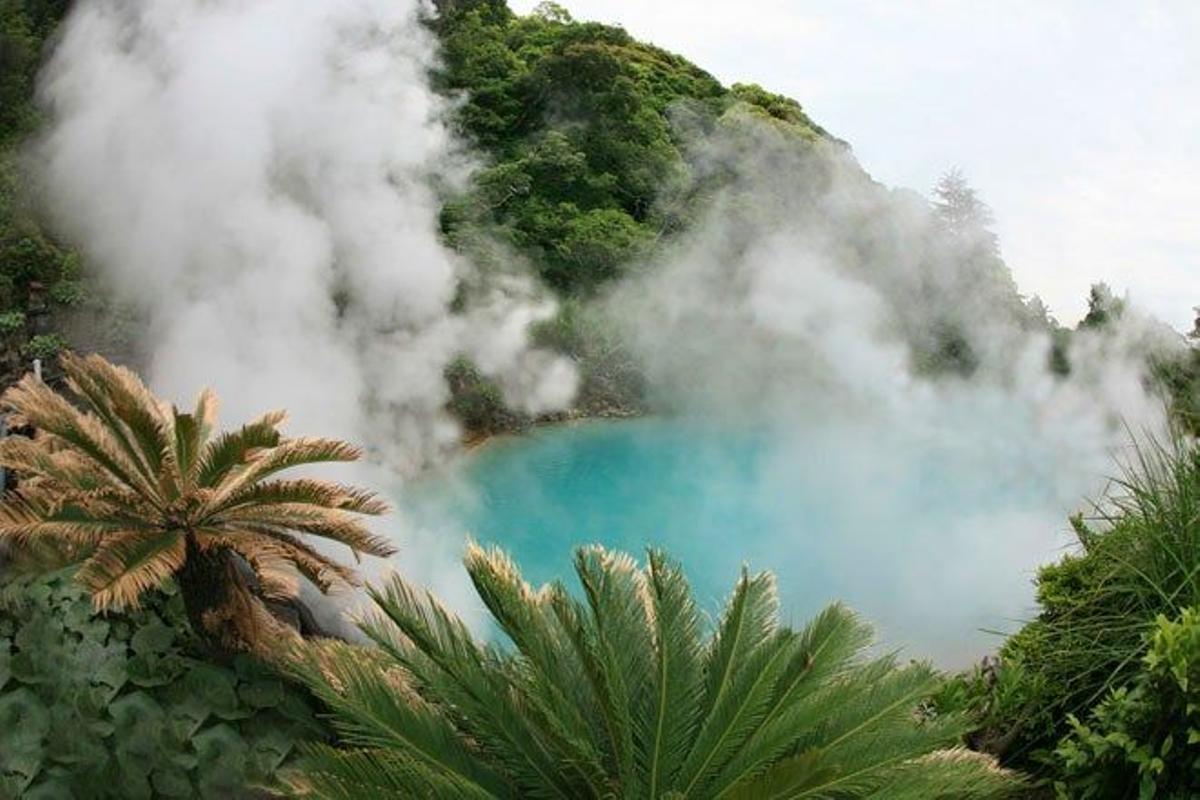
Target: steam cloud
{"points": [[797, 304], [256, 176]]}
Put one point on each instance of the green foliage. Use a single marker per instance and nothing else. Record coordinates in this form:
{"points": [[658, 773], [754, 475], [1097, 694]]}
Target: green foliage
{"points": [[624, 694], [1178, 376], [1139, 560], [610, 381], [777, 107], [476, 401], [100, 706], [1141, 740], [1104, 308], [44, 346], [12, 322], [27, 254], [577, 119]]}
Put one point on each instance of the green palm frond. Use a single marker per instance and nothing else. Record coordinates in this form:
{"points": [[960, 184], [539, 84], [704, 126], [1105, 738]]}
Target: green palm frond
{"points": [[617, 691], [677, 649]]}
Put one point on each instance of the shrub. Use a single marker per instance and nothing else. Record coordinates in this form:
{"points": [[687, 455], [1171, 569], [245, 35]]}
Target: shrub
{"points": [[44, 346], [477, 401], [1138, 561], [100, 706], [1141, 740], [610, 378], [12, 321], [625, 693]]}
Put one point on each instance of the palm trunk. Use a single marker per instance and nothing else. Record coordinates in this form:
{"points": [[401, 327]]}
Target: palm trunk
{"points": [[219, 605]]}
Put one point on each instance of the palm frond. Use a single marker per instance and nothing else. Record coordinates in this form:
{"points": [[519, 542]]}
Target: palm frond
{"points": [[618, 695], [125, 566], [829, 645], [375, 713], [747, 658], [553, 678], [287, 454], [672, 713], [304, 492], [124, 404], [445, 662], [36, 404], [234, 448], [332, 524]]}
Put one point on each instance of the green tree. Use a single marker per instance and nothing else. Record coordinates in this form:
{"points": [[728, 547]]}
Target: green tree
{"points": [[963, 214], [622, 694], [1104, 308]]}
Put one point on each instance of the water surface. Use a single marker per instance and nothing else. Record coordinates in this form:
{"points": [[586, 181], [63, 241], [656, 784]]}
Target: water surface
{"points": [[933, 540]]}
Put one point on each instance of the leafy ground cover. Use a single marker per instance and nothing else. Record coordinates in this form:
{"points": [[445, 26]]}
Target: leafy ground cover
{"points": [[126, 706]]}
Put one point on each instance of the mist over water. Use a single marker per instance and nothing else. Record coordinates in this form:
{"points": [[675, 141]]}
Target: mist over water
{"points": [[933, 537], [781, 336]]}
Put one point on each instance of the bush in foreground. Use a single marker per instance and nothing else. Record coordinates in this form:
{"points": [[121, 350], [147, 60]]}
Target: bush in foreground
{"points": [[623, 694], [1141, 740], [1083, 657]]}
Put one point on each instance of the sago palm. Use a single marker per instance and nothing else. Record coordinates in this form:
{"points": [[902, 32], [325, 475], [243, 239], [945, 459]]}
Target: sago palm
{"points": [[141, 492], [621, 694]]}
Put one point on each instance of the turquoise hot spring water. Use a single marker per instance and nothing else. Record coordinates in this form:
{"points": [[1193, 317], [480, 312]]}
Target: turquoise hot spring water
{"points": [[935, 541]]}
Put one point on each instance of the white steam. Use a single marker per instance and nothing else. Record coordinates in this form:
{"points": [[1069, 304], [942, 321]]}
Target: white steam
{"points": [[255, 176], [799, 302]]}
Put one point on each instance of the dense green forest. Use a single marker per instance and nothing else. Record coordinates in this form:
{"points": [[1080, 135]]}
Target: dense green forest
{"points": [[583, 134]]}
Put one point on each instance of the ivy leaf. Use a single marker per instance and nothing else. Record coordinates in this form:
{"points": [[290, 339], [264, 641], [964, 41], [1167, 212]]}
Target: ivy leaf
{"points": [[80, 618], [154, 638], [148, 670], [268, 750], [261, 694], [186, 711], [120, 631], [112, 673], [139, 721], [222, 761], [24, 723], [215, 686], [171, 782], [50, 788]]}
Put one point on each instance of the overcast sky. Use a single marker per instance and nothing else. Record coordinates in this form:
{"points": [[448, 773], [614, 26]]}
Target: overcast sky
{"points": [[1077, 120]]}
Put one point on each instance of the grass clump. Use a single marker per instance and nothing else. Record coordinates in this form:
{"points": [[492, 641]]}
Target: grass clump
{"points": [[1138, 565]]}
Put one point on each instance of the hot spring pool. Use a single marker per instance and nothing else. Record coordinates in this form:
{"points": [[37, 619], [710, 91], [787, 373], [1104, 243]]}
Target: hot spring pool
{"points": [[935, 541]]}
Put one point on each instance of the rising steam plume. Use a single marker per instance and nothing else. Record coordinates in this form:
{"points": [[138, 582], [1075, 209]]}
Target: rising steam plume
{"points": [[256, 179], [255, 176]]}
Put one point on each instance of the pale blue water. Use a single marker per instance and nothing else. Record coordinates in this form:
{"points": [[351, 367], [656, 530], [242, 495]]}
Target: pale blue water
{"points": [[932, 541]]}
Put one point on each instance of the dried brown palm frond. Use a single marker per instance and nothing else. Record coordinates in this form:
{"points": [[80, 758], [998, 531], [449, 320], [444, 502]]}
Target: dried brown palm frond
{"points": [[144, 492]]}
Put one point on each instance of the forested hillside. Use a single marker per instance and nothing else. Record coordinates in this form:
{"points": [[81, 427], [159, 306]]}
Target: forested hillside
{"points": [[591, 154], [577, 119]]}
